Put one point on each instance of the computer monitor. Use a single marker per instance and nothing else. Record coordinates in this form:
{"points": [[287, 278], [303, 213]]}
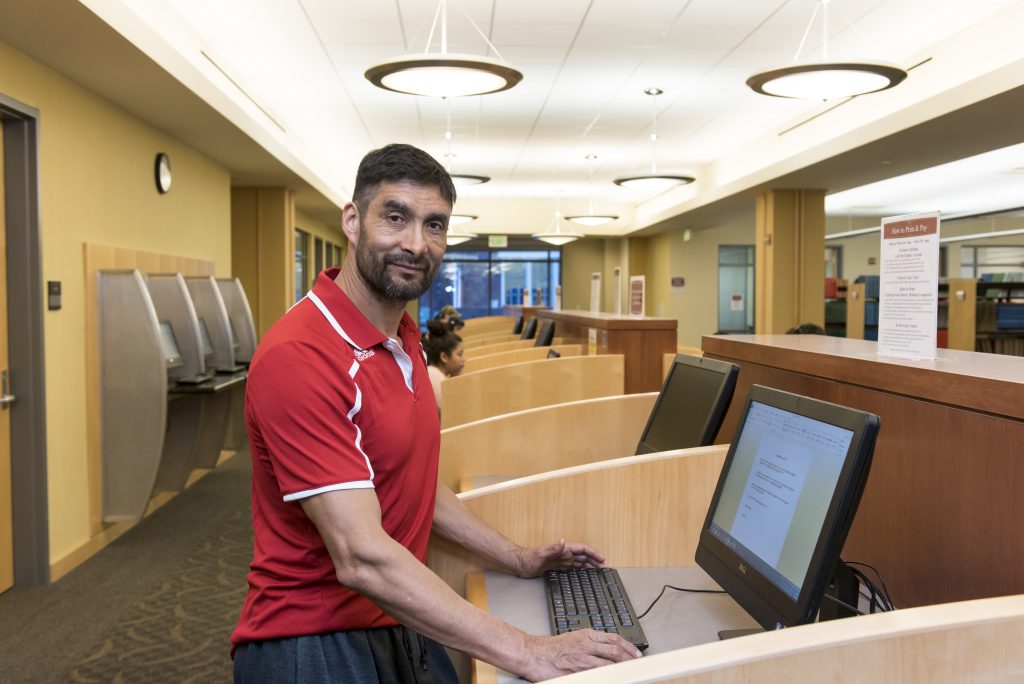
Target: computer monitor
{"points": [[784, 503], [529, 330], [204, 335], [691, 406], [545, 335], [169, 345]]}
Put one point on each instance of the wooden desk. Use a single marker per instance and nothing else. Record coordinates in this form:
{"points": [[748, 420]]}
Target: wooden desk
{"points": [[641, 339], [941, 513], [679, 619], [527, 312]]}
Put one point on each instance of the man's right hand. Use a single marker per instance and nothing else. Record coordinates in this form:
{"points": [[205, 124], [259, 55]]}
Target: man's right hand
{"points": [[550, 657]]}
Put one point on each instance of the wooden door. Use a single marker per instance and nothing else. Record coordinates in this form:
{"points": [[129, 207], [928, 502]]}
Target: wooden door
{"points": [[6, 530]]}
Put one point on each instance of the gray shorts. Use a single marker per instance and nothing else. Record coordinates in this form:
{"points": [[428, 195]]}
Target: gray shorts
{"points": [[389, 655]]}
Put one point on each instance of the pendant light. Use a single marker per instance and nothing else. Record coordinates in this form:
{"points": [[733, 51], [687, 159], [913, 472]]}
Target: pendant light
{"points": [[457, 235], [592, 218], [653, 182], [461, 180], [826, 80], [445, 74], [559, 236]]}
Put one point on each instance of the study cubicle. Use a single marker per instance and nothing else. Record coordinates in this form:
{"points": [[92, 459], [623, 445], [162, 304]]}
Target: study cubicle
{"points": [[642, 340], [537, 440], [168, 367], [645, 513], [515, 387], [483, 361]]}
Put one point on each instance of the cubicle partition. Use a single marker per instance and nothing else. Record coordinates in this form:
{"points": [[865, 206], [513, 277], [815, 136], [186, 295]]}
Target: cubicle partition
{"points": [[164, 412], [174, 306], [642, 340], [243, 330], [133, 375]]}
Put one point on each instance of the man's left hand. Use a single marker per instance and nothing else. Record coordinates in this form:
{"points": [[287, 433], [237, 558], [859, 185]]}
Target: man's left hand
{"points": [[562, 554]]}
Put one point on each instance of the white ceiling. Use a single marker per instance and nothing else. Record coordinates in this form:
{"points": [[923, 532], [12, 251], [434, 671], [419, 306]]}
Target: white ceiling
{"points": [[291, 72]]}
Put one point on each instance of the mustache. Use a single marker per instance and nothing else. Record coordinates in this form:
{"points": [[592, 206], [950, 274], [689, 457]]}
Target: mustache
{"points": [[412, 262]]}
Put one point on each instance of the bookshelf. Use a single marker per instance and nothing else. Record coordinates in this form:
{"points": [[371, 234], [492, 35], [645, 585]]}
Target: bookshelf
{"points": [[986, 316]]}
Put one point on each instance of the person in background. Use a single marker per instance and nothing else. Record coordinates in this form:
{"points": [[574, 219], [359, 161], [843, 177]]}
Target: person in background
{"points": [[446, 313], [444, 355], [806, 329], [345, 446]]}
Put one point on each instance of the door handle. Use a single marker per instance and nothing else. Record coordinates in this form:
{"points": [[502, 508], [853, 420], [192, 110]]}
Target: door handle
{"points": [[5, 398]]}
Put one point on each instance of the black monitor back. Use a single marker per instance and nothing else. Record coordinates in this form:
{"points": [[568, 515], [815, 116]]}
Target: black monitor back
{"points": [[517, 328], [530, 329], [691, 406], [545, 334]]}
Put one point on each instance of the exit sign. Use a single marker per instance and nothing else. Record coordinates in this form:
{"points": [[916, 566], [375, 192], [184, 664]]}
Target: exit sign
{"points": [[497, 241]]}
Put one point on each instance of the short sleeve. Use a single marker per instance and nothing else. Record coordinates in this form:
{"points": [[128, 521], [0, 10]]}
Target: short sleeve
{"points": [[303, 404]]}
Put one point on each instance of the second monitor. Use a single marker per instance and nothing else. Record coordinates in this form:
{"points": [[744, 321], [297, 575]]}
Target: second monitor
{"points": [[691, 406]]}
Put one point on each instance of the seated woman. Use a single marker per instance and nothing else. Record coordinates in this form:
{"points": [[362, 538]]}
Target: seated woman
{"points": [[444, 355]]}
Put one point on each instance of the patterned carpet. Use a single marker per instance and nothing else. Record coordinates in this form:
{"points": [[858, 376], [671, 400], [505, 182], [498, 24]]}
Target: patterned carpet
{"points": [[157, 605], [179, 632]]}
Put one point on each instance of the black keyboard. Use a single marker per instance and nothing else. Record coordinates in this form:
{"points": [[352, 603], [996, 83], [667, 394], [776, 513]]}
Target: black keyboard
{"points": [[592, 598]]}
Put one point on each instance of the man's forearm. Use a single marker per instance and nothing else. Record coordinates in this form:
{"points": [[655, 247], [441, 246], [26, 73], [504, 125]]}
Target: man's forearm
{"points": [[454, 521]]}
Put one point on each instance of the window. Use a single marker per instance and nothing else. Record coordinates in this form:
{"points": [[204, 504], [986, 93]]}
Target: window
{"points": [[481, 282], [329, 256], [318, 256], [978, 261], [736, 288], [301, 272]]}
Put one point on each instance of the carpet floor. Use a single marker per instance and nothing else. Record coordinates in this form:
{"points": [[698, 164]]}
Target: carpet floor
{"points": [[157, 605]]}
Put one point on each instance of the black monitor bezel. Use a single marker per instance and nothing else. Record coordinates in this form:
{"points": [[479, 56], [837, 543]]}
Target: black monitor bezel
{"points": [[729, 371], [768, 604]]}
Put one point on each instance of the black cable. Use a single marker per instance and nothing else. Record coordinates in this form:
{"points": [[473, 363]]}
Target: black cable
{"points": [[669, 586], [844, 604], [875, 597], [885, 589]]}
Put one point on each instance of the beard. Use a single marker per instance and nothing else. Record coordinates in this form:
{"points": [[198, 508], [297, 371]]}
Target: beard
{"points": [[373, 267]]}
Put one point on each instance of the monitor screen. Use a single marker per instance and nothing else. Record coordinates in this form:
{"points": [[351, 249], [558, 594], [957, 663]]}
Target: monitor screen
{"points": [[692, 404], [784, 503], [204, 336], [169, 345]]}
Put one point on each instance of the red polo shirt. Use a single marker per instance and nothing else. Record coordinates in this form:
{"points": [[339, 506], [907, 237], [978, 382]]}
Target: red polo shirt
{"points": [[332, 404]]}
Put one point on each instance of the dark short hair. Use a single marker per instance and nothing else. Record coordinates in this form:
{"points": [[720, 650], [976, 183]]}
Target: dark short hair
{"points": [[396, 163]]}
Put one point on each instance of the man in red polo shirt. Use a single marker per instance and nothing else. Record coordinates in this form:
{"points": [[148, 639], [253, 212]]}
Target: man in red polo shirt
{"points": [[344, 435]]}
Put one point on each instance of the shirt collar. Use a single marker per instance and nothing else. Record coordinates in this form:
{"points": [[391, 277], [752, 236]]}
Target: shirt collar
{"points": [[356, 325]]}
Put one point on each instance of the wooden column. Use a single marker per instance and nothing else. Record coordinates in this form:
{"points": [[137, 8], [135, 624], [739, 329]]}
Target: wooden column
{"points": [[789, 260], [263, 250]]}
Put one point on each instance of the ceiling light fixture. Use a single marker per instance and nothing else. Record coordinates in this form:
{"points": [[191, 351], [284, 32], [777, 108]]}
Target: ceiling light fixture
{"points": [[445, 74], [559, 236], [826, 80], [459, 219], [591, 218], [653, 182], [461, 180]]}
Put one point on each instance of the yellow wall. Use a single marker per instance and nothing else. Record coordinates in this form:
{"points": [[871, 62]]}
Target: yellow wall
{"points": [[96, 185], [579, 260], [695, 305]]}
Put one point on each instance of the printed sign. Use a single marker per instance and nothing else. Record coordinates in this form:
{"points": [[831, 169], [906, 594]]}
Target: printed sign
{"points": [[637, 287], [908, 286], [595, 293]]}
